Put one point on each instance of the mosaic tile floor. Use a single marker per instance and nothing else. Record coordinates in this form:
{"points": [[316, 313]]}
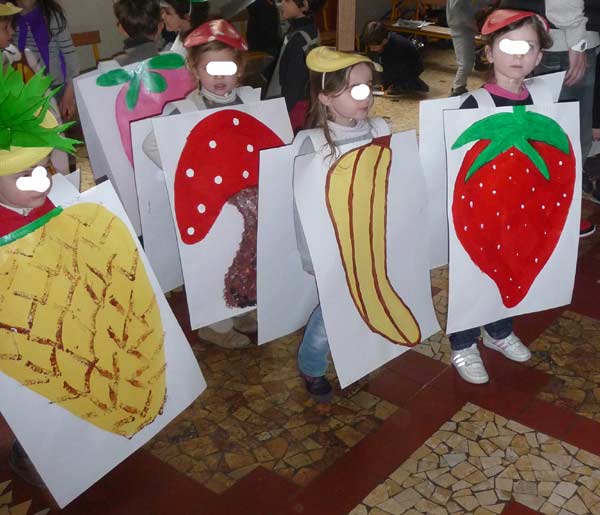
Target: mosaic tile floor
{"points": [[412, 438]]}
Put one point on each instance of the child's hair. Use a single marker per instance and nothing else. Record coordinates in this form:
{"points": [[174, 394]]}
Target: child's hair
{"points": [[195, 53], [374, 33], [196, 12], [314, 6], [138, 18], [181, 7], [50, 9], [333, 84], [543, 35]]}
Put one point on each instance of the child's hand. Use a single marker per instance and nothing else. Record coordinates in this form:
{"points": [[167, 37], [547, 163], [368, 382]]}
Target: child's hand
{"points": [[577, 65], [596, 134], [67, 103]]}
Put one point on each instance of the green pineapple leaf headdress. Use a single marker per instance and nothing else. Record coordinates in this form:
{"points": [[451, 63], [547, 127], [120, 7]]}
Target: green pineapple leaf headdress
{"points": [[28, 130]]}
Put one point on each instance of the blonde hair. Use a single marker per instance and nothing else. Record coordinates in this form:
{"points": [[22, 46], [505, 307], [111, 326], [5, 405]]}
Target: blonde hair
{"points": [[195, 53]]}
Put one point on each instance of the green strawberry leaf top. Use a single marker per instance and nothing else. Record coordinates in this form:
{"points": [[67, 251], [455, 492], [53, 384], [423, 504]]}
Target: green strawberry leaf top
{"points": [[23, 107], [142, 74], [516, 129]]}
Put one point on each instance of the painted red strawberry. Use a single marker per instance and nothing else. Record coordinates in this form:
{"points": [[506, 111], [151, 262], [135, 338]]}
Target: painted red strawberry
{"points": [[512, 196], [147, 91], [218, 164]]}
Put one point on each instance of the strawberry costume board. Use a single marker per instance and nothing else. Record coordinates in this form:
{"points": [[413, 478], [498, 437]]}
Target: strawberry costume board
{"points": [[543, 89], [111, 100], [210, 159], [361, 217], [108, 365], [514, 205]]}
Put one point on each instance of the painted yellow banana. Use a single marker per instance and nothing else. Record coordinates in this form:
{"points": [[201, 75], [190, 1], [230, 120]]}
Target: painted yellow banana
{"points": [[356, 194]]}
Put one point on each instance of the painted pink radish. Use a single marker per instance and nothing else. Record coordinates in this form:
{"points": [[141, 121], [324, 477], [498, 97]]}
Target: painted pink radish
{"points": [[146, 91]]}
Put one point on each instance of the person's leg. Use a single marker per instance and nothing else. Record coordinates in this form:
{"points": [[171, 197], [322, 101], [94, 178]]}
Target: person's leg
{"points": [[499, 329], [463, 40], [224, 335], [314, 347], [466, 358], [500, 337]]}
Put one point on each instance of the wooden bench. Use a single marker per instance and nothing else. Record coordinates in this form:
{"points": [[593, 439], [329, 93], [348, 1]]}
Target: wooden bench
{"points": [[88, 38], [434, 32]]}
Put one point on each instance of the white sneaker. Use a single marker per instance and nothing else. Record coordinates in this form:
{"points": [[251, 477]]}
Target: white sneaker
{"points": [[511, 346], [469, 365], [229, 340]]}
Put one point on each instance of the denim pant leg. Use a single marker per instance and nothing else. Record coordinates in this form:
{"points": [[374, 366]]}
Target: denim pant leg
{"points": [[464, 339], [499, 329], [314, 348]]}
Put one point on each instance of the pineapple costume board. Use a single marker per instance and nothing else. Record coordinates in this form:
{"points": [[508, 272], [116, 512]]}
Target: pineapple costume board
{"points": [[210, 159], [99, 363], [432, 150], [112, 100], [362, 218], [514, 205]]}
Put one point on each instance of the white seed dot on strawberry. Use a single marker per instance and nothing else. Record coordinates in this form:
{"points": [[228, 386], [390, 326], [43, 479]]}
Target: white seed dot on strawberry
{"points": [[191, 231], [533, 188], [236, 121], [543, 206], [250, 148], [498, 246], [218, 179], [495, 271], [522, 206], [535, 260], [189, 172], [526, 170], [245, 174], [510, 177], [493, 167], [558, 204], [481, 225], [560, 163], [201, 208], [212, 143], [512, 154], [564, 195], [497, 213], [508, 227], [470, 203], [481, 184], [493, 192], [518, 287]]}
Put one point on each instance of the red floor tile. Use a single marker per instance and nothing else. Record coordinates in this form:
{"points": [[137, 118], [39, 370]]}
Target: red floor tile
{"points": [[417, 367], [393, 387], [585, 433], [547, 418], [514, 508], [531, 326]]}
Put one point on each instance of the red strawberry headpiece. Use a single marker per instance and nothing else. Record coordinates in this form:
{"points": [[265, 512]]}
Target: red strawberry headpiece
{"points": [[216, 30], [500, 18]]}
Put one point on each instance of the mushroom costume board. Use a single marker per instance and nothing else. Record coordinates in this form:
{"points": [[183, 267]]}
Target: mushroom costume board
{"points": [[543, 89], [210, 159], [111, 100], [514, 205], [361, 217], [141, 373]]}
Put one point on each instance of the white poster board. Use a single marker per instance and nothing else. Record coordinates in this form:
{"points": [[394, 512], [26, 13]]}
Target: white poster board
{"points": [[286, 293], [206, 262], [474, 297], [433, 157], [70, 453], [356, 349]]}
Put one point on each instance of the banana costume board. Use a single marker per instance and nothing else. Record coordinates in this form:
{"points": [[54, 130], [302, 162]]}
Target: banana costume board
{"points": [[210, 159], [111, 100], [362, 218], [514, 232], [286, 293], [433, 157], [71, 445]]}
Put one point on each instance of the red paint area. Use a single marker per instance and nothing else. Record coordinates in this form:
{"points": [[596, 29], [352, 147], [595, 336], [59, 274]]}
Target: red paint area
{"points": [[509, 218]]}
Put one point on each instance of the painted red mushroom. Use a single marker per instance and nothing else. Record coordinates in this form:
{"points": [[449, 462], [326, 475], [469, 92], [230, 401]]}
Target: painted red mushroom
{"points": [[218, 164]]}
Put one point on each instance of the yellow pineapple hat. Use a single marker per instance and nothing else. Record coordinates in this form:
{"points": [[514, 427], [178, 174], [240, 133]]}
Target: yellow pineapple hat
{"points": [[28, 130], [9, 9], [326, 59]]}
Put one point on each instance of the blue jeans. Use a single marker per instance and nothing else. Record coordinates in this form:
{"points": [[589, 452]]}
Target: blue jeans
{"points": [[583, 91], [497, 330], [314, 347]]}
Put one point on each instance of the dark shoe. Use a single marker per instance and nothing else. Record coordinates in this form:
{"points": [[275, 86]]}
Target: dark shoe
{"points": [[319, 388], [456, 92], [587, 184], [586, 228], [21, 465]]}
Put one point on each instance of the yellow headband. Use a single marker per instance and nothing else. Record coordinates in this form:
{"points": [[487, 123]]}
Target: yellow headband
{"points": [[325, 59]]}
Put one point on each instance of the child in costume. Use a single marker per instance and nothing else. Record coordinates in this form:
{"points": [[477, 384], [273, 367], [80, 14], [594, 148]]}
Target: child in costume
{"points": [[181, 16], [140, 22], [28, 138], [341, 97], [42, 28], [216, 58], [515, 41], [7, 12], [290, 77]]}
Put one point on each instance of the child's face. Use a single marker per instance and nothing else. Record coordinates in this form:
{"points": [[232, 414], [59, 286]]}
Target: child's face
{"points": [[220, 85], [343, 107], [511, 66], [11, 195], [290, 11], [6, 32], [172, 21]]}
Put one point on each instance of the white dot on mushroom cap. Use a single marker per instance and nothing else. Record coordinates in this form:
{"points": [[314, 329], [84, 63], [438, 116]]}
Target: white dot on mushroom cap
{"points": [[564, 195], [189, 172], [212, 143], [250, 148], [481, 184], [522, 206], [558, 203], [462, 197], [498, 246], [510, 177], [201, 208], [465, 228], [245, 174], [536, 260], [493, 167], [533, 188], [526, 170], [512, 154], [218, 179], [493, 192], [560, 163], [543, 206], [236, 121], [470, 203], [191, 231], [481, 225], [497, 213]]}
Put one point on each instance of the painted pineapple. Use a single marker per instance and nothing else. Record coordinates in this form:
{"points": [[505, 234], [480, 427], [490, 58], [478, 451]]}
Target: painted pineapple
{"points": [[79, 322]]}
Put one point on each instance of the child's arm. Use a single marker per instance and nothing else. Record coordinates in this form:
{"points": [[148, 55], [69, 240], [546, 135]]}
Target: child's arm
{"points": [[65, 46]]}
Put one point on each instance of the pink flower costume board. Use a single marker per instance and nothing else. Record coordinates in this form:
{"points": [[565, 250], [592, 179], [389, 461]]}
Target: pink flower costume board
{"points": [[71, 450], [210, 160], [543, 89], [112, 100], [514, 205]]}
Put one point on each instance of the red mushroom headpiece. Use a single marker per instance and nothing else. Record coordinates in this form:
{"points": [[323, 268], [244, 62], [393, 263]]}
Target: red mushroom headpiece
{"points": [[216, 30]]}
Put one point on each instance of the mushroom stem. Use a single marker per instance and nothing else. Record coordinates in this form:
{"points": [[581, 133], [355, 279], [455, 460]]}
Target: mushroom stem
{"points": [[240, 279]]}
